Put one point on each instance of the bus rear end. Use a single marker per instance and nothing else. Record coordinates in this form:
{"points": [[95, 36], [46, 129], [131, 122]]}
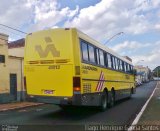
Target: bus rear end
{"points": [[49, 68]]}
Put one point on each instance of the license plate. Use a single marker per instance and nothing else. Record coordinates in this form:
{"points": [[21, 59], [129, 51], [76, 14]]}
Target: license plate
{"points": [[48, 91]]}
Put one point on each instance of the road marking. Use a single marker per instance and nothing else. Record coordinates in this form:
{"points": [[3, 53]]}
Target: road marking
{"points": [[131, 128]]}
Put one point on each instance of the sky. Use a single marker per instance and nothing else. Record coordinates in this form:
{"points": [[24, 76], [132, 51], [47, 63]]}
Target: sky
{"points": [[139, 20]]}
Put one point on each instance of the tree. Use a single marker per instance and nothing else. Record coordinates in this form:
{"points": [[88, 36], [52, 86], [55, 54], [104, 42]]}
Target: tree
{"points": [[156, 72]]}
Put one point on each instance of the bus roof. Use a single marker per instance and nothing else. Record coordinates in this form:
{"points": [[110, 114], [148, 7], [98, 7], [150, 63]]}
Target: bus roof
{"points": [[103, 47]]}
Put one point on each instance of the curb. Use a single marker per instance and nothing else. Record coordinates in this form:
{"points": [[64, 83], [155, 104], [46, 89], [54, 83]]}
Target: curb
{"points": [[21, 107]]}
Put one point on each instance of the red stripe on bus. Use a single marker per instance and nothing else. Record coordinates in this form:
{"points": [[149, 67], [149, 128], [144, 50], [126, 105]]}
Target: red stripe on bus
{"points": [[98, 83], [102, 82]]}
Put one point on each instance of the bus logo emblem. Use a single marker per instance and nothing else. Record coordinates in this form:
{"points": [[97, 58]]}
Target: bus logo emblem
{"points": [[49, 48]]}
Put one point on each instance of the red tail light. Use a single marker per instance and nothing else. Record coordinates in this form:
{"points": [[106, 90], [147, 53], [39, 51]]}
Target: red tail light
{"points": [[76, 84]]}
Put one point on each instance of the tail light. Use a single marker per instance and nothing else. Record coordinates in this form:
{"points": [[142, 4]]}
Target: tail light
{"points": [[25, 83], [76, 84]]}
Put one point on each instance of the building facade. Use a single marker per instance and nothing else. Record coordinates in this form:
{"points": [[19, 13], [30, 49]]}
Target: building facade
{"points": [[143, 74], [11, 70], [4, 70], [16, 56]]}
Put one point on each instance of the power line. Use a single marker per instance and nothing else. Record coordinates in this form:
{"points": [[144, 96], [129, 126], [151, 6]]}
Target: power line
{"points": [[9, 31], [13, 28]]}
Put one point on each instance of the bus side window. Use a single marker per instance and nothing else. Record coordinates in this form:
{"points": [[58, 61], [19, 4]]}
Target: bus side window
{"points": [[84, 51], [120, 65], [114, 59], [129, 70], [113, 62], [109, 60], [97, 57], [101, 54], [105, 59], [124, 67], [91, 54], [116, 63], [127, 67]]}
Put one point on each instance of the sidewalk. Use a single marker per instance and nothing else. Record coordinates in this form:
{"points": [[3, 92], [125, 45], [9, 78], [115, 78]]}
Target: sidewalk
{"points": [[151, 115], [17, 105]]}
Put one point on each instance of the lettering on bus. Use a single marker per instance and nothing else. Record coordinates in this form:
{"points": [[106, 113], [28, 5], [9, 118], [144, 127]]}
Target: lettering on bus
{"points": [[89, 68], [50, 47], [54, 67], [85, 71]]}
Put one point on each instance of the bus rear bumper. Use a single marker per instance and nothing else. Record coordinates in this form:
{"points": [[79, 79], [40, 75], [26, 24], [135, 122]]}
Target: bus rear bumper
{"points": [[50, 99], [77, 99]]}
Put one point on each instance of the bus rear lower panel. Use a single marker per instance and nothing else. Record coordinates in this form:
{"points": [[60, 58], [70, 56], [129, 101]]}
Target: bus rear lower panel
{"points": [[77, 99]]}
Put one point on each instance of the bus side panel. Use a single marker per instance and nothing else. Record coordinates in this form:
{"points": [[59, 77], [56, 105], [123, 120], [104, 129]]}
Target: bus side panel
{"points": [[95, 79]]}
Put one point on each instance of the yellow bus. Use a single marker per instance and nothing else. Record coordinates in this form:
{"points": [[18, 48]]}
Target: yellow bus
{"points": [[64, 66]]}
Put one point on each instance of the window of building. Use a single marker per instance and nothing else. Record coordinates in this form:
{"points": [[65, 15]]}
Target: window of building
{"points": [[101, 57], [2, 58], [91, 54], [84, 51]]}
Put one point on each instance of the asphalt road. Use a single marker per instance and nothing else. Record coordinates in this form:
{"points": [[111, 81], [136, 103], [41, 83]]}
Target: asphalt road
{"points": [[123, 113]]}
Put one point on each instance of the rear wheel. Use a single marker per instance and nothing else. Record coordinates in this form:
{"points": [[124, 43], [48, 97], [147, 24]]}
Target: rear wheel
{"points": [[104, 99]]}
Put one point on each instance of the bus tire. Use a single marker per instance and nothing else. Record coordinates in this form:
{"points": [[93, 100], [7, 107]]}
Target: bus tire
{"points": [[112, 99], [104, 101]]}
